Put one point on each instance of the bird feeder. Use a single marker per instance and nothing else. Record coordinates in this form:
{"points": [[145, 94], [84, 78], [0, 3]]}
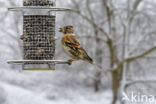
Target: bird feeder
{"points": [[38, 39]]}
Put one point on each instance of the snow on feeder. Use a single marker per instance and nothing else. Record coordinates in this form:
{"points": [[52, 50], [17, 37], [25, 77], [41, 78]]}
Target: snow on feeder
{"points": [[38, 35]]}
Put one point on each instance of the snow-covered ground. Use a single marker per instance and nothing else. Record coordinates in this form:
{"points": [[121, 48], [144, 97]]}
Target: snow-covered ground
{"points": [[17, 95], [27, 88]]}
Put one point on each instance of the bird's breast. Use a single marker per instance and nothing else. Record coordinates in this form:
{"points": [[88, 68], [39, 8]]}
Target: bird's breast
{"points": [[67, 50]]}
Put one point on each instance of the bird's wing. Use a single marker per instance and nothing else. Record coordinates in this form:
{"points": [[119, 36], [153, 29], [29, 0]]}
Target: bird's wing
{"points": [[76, 49], [72, 42]]}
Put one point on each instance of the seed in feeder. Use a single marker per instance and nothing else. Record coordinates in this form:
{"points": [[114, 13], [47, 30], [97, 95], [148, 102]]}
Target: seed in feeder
{"points": [[45, 2], [49, 39], [26, 1], [39, 51], [27, 44], [25, 36], [27, 55]]}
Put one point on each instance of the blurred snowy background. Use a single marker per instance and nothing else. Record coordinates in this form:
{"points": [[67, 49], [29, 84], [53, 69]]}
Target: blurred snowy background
{"points": [[119, 35]]}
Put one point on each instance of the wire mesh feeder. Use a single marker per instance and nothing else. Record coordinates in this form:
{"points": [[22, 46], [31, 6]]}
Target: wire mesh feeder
{"points": [[38, 35], [39, 2]]}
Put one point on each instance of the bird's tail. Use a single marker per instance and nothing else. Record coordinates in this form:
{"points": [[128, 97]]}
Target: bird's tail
{"points": [[91, 62], [97, 66]]}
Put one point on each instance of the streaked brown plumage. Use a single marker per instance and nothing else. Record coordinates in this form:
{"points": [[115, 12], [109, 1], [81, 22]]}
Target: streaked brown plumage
{"points": [[72, 46]]}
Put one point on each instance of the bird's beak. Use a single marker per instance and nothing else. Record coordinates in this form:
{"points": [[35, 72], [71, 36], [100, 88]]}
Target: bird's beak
{"points": [[60, 30]]}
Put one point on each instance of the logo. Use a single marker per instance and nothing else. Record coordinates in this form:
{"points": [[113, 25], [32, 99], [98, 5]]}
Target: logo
{"points": [[138, 98]]}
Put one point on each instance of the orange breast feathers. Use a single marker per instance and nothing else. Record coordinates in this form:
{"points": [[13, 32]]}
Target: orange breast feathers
{"points": [[72, 40]]}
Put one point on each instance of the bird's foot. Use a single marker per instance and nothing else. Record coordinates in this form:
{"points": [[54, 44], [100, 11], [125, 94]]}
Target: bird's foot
{"points": [[70, 61]]}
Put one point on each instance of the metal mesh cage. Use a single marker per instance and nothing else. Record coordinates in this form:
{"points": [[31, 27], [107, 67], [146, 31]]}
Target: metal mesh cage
{"points": [[39, 2], [38, 37]]}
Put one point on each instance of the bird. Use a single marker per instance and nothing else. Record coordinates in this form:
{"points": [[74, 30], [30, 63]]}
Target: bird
{"points": [[72, 46]]}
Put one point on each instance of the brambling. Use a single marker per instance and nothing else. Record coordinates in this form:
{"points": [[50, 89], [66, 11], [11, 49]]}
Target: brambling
{"points": [[72, 46]]}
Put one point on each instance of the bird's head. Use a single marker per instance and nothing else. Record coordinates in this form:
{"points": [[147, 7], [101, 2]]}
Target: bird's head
{"points": [[67, 29]]}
